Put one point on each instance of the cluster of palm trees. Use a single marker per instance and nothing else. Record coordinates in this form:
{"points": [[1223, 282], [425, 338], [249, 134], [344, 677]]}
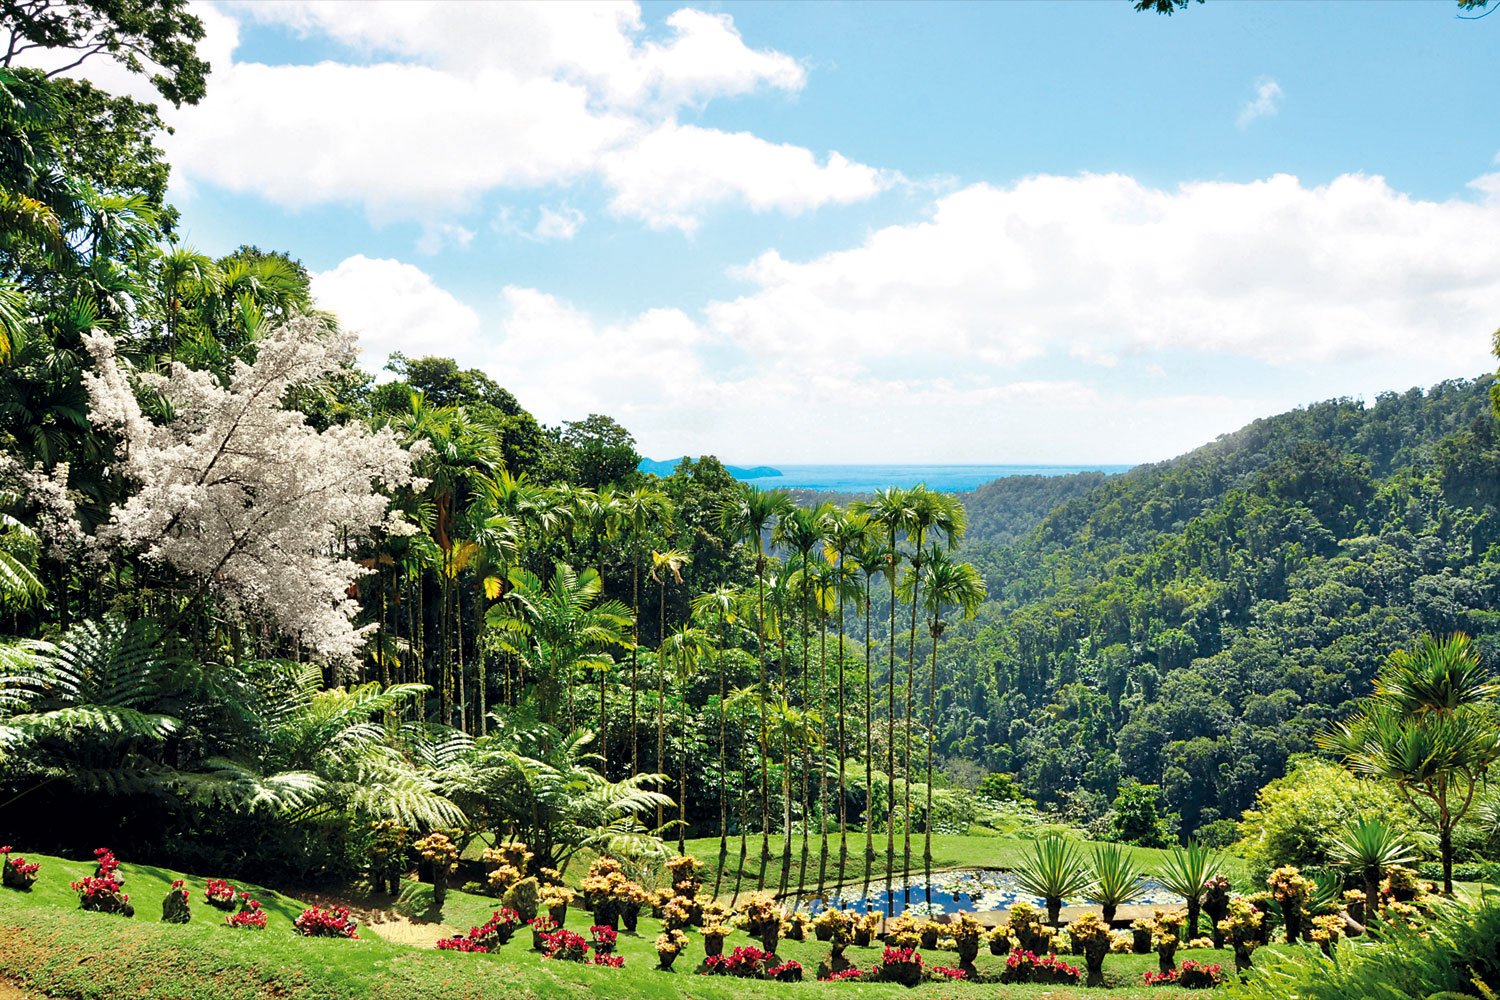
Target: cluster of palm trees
{"points": [[834, 556], [553, 635]]}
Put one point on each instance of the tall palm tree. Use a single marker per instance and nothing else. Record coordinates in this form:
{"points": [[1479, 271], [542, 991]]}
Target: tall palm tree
{"points": [[801, 531], [848, 532], [722, 603], [949, 585], [185, 278], [938, 512], [685, 647], [831, 591], [893, 512], [747, 517], [640, 507], [664, 564], [872, 559]]}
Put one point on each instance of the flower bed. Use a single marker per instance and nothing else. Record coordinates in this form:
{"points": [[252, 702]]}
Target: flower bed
{"points": [[747, 962], [1027, 967], [219, 893], [899, 965], [565, 946], [332, 922]]}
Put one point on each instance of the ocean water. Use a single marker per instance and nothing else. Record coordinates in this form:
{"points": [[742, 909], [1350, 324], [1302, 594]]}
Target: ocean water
{"points": [[943, 478]]}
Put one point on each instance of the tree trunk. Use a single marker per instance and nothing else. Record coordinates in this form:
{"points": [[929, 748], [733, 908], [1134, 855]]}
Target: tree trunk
{"points": [[911, 680], [635, 623], [937, 630], [723, 766], [842, 750], [890, 750], [661, 691], [869, 750]]}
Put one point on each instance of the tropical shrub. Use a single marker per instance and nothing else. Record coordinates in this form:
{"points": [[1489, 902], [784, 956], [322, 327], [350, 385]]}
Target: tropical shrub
{"points": [[1291, 890], [390, 845], [174, 906], [524, 897], [903, 931], [899, 965], [103, 891], [1296, 818], [998, 940], [865, 926], [556, 899], [1028, 967], [220, 894], [1025, 925], [16, 872], [565, 946], [250, 918], [540, 928], [746, 963], [966, 934], [511, 859], [789, 971], [604, 939], [1450, 956], [1091, 934], [332, 922], [497, 930], [1243, 928], [670, 944], [439, 851], [1194, 975], [940, 972]]}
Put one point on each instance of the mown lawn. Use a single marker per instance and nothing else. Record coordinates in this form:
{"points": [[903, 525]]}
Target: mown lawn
{"points": [[48, 944]]}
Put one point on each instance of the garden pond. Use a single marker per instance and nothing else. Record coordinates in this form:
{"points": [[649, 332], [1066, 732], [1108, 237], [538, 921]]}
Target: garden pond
{"points": [[973, 890]]}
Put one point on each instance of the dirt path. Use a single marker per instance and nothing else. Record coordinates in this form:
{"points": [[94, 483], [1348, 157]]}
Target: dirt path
{"points": [[386, 922], [10, 991]]}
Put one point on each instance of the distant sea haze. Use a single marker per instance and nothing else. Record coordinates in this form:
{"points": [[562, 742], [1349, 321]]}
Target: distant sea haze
{"points": [[869, 478]]}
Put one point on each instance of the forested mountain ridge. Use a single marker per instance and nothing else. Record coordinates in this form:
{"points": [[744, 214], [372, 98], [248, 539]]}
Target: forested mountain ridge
{"points": [[1192, 623]]}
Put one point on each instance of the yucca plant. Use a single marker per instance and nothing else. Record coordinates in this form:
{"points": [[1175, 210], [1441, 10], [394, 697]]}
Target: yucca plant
{"points": [[1054, 870], [1369, 846], [1117, 879], [1187, 872]]}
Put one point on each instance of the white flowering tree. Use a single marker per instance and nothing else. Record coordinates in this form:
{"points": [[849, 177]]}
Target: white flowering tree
{"points": [[238, 493]]}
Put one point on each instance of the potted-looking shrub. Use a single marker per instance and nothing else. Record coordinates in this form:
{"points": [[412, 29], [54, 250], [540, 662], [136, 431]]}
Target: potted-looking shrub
{"points": [[669, 944], [1091, 935]]}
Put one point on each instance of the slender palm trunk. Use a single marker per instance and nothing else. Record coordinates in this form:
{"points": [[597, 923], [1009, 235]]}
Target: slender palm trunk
{"points": [[786, 775], [823, 749], [937, 630], [890, 751], [765, 744], [661, 692], [381, 639], [723, 767], [458, 644], [869, 751], [481, 682], [635, 604], [911, 681], [841, 750], [682, 776], [806, 750]]}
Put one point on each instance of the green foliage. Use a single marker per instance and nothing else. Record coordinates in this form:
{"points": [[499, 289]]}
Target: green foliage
{"points": [[1054, 869], [1116, 876], [1137, 817], [1297, 819], [1455, 957]]}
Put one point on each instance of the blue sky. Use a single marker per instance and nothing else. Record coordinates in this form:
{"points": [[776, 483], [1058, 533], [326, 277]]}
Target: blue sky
{"points": [[821, 232]]}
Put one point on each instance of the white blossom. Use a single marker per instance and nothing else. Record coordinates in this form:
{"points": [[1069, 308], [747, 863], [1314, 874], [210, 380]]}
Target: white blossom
{"points": [[240, 493], [56, 514]]}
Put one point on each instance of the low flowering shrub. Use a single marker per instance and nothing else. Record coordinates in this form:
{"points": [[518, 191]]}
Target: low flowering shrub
{"points": [[498, 929], [219, 893], [1194, 975], [16, 872], [1027, 967], [789, 971], [332, 922], [565, 946], [174, 907], [253, 918], [847, 974], [1168, 978], [939, 971], [103, 892], [608, 961], [604, 939], [746, 962], [899, 965], [460, 943]]}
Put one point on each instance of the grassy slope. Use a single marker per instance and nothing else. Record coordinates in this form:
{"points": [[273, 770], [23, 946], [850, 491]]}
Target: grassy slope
{"points": [[48, 944], [947, 852]]}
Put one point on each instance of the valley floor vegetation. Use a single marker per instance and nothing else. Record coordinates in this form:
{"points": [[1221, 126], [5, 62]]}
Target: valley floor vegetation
{"points": [[276, 632]]}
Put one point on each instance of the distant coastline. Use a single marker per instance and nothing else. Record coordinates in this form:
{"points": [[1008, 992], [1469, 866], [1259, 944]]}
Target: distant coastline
{"points": [[856, 478]]}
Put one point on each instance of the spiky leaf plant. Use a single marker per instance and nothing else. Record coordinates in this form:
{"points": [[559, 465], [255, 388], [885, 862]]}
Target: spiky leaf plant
{"points": [[1187, 871], [1054, 870], [1118, 880], [1369, 846]]}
